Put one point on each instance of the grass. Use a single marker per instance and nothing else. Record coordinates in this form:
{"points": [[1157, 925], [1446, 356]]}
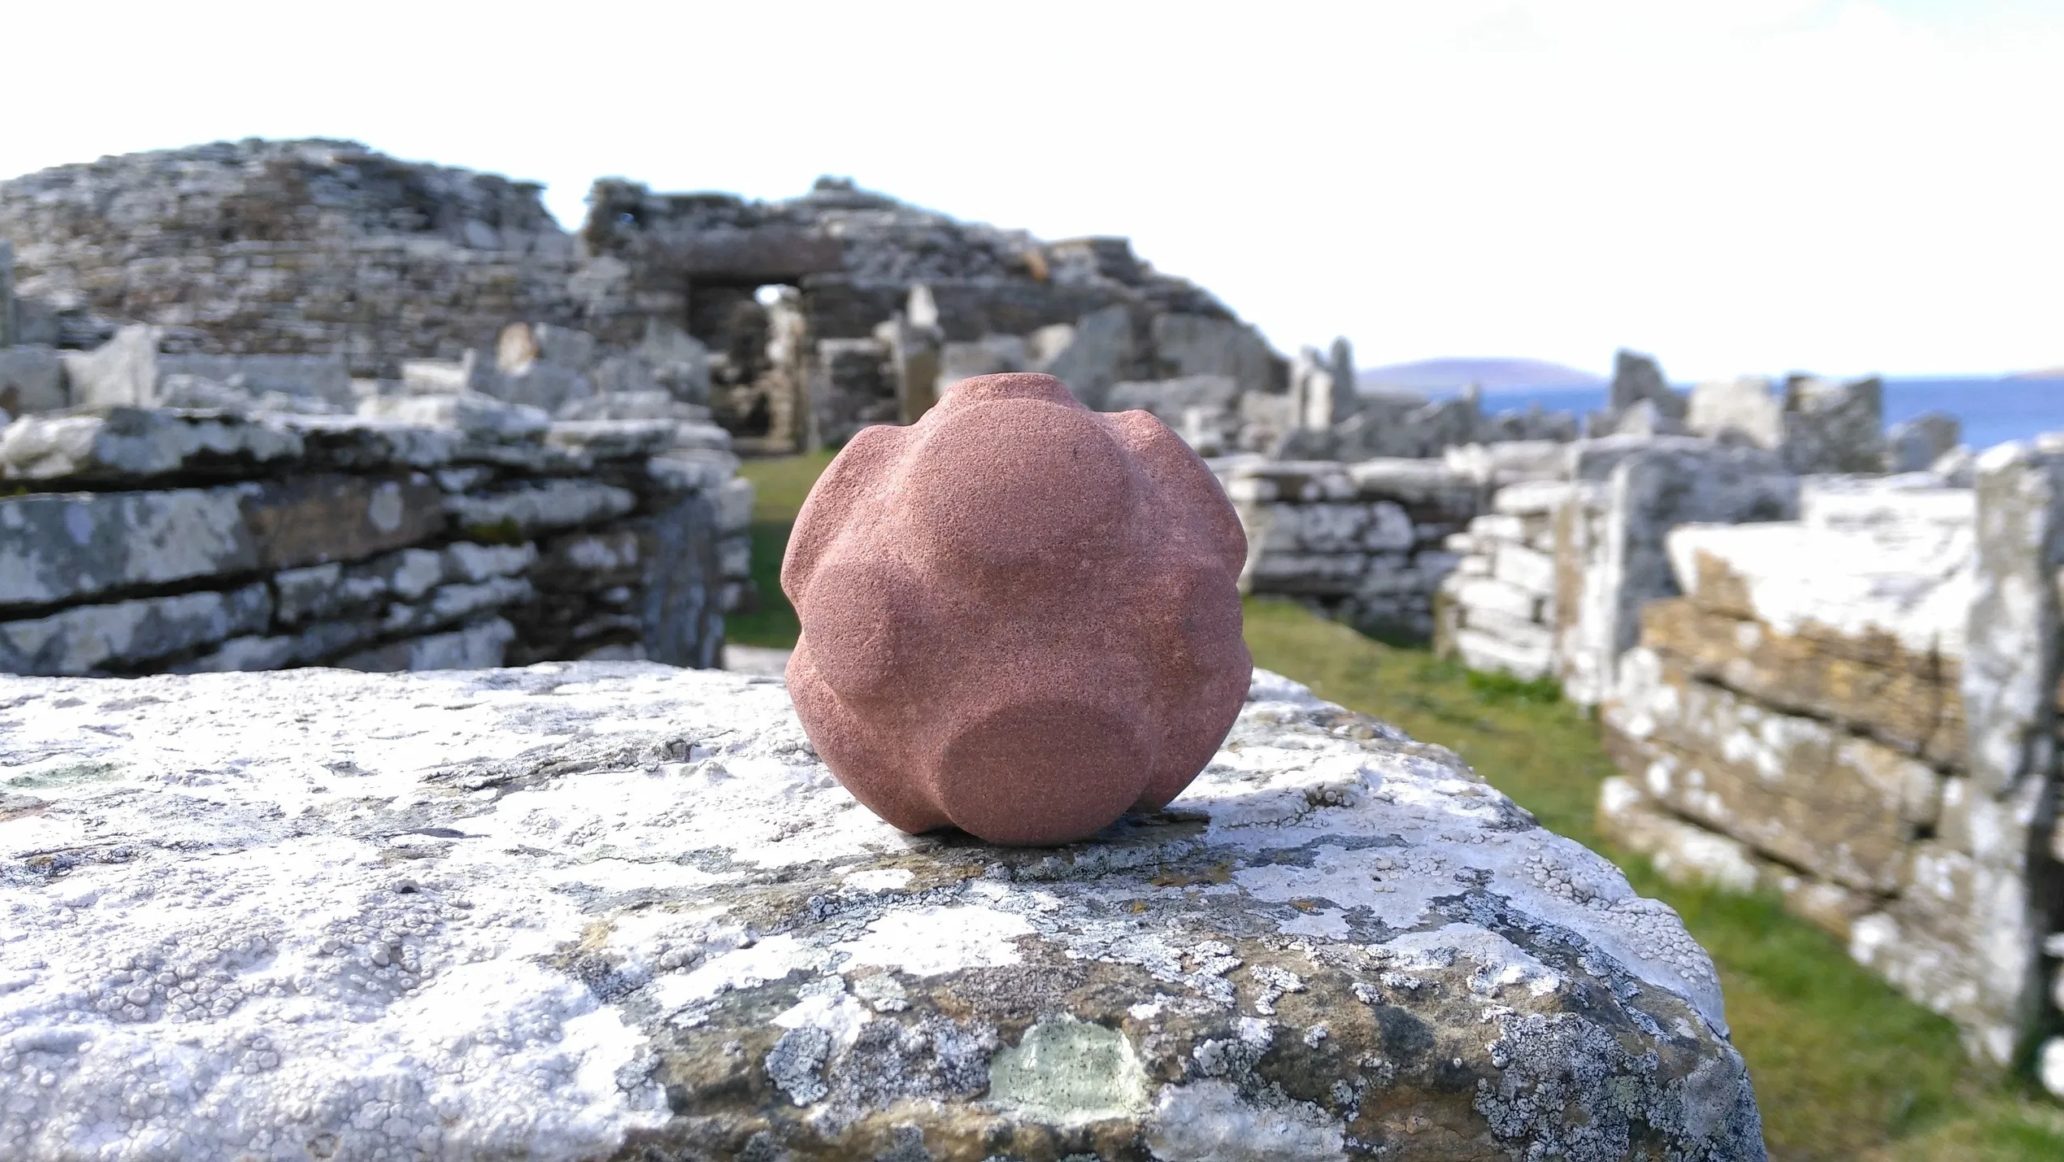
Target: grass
{"points": [[780, 485], [1844, 1067]]}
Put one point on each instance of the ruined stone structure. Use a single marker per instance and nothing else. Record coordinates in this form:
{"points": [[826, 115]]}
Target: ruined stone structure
{"points": [[288, 248], [1365, 542], [1858, 709], [649, 924], [810, 317], [888, 303], [456, 532]]}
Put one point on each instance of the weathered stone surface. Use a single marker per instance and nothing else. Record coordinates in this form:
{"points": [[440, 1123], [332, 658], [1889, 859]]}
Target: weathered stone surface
{"points": [[1186, 345], [31, 378], [90, 639], [123, 372], [1834, 427], [476, 647], [1746, 409], [1796, 788], [1687, 853], [554, 504], [1918, 444], [647, 922], [470, 412], [60, 546], [1638, 379], [1610, 541], [1909, 593], [135, 444], [1896, 508], [1909, 700]]}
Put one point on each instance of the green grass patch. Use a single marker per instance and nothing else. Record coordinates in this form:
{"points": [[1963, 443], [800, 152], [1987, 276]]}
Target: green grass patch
{"points": [[1844, 1067], [779, 485]]}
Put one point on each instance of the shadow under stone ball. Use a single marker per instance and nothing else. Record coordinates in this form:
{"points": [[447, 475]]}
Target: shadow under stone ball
{"points": [[1019, 617]]}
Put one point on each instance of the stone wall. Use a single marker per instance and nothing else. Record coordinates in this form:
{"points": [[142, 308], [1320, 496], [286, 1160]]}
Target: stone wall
{"points": [[456, 532], [296, 247], [1365, 542], [1858, 710], [1496, 612], [1552, 581]]}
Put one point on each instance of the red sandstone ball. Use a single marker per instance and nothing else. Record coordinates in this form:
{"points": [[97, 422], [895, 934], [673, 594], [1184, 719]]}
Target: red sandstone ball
{"points": [[1020, 617]]}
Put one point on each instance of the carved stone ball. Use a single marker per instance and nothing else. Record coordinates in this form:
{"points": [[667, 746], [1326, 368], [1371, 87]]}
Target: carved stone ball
{"points": [[1020, 617]]}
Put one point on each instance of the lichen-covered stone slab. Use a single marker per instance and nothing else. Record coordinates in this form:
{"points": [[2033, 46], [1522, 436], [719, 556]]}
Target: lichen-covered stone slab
{"points": [[1808, 792], [621, 910], [1912, 701]]}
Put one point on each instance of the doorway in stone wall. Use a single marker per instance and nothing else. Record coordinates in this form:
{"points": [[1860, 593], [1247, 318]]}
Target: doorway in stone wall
{"points": [[753, 331]]}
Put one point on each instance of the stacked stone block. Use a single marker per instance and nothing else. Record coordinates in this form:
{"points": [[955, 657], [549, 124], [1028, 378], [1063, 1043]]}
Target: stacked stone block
{"points": [[1553, 580], [138, 541], [1858, 710], [1366, 542], [1497, 610]]}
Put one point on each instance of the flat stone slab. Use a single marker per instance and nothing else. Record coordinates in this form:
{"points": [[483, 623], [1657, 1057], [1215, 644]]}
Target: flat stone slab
{"points": [[1911, 584], [621, 910]]}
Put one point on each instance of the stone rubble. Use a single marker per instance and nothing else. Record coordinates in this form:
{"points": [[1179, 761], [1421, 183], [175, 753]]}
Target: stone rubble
{"points": [[618, 910]]}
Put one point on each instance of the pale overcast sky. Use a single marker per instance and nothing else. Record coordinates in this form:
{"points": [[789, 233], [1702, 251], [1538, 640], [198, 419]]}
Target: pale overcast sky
{"points": [[1736, 186]]}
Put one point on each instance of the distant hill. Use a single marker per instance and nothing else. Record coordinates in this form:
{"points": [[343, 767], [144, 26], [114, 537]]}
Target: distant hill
{"points": [[2044, 373], [1489, 374]]}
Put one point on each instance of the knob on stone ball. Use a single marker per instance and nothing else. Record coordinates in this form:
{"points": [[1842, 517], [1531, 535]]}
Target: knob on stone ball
{"points": [[1020, 617]]}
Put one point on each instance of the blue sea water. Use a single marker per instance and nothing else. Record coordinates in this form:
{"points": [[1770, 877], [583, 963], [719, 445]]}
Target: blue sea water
{"points": [[1993, 411]]}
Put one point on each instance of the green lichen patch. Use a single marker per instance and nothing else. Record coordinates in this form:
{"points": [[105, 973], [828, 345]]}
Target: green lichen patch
{"points": [[1069, 1071]]}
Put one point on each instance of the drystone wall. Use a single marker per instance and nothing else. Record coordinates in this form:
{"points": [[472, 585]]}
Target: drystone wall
{"points": [[449, 532], [1496, 612], [617, 911], [1365, 542], [293, 247], [1858, 709], [1552, 581]]}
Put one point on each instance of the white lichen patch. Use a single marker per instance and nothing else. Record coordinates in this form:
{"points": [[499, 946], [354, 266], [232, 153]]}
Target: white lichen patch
{"points": [[932, 940], [1209, 1121]]}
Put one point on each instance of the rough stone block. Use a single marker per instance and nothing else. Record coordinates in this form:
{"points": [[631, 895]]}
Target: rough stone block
{"points": [[472, 413], [1187, 345], [1368, 900], [1918, 444], [1747, 408], [1496, 652], [1910, 590], [528, 510], [88, 639], [123, 372], [1795, 788], [1493, 595], [1524, 568], [31, 379], [57, 547], [1911, 701], [1532, 498], [476, 647], [127, 445]]}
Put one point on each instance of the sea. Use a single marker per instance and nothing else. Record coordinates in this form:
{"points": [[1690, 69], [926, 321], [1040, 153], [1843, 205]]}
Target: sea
{"points": [[1993, 411]]}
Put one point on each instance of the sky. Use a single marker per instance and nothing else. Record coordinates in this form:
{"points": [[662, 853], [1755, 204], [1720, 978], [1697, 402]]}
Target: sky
{"points": [[1747, 186]]}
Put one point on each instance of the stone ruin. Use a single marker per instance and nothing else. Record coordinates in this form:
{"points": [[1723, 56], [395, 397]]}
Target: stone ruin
{"points": [[1825, 655], [442, 535], [1842, 688], [256, 428]]}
